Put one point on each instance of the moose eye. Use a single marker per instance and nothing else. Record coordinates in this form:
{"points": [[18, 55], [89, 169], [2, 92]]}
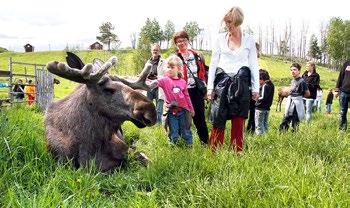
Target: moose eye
{"points": [[108, 91]]}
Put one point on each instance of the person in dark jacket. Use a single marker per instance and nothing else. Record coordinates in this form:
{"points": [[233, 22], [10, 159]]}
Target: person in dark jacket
{"points": [[312, 79], [329, 102], [343, 91], [233, 79], [19, 90], [295, 110], [193, 65], [264, 102]]}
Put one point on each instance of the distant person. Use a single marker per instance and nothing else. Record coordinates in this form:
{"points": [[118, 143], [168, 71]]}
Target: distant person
{"points": [[19, 90], [312, 79], [178, 102], [329, 102], [251, 118], [318, 101], [193, 66], [157, 63], [30, 92], [233, 63], [295, 110], [343, 91], [264, 102]]}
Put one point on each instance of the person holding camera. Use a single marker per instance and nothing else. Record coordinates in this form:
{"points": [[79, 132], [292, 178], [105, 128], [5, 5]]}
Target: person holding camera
{"points": [[193, 72]]}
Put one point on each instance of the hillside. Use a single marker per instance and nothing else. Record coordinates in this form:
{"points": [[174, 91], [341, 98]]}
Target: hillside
{"points": [[309, 168]]}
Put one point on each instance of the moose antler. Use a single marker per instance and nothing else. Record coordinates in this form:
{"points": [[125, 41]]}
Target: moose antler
{"points": [[140, 83], [90, 73]]}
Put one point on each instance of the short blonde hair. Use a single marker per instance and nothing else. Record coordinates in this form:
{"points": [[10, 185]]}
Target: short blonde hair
{"points": [[174, 60], [234, 16]]}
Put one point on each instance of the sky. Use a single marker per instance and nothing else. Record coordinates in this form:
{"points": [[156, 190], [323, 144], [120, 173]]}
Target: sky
{"points": [[53, 24]]}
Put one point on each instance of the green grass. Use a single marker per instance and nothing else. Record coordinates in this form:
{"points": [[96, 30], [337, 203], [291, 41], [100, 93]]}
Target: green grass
{"points": [[307, 169]]}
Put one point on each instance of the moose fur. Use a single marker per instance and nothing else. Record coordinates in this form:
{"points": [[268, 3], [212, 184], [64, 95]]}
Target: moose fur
{"points": [[87, 123], [282, 93]]}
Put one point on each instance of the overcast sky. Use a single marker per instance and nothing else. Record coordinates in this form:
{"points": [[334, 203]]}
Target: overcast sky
{"points": [[52, 24]]}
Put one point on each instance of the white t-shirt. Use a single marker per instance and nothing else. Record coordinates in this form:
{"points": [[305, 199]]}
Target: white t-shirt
{"points": [[232, 60]]}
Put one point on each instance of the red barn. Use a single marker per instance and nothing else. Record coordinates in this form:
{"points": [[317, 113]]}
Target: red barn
{"points": [[96, 46]]}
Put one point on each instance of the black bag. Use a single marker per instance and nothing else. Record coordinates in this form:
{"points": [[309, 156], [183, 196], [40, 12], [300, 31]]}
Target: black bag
{"points": [[200, 85]]}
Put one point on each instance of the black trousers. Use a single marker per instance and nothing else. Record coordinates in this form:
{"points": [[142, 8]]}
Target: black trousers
{"points": [[290, 118], [251, 117], [199, 117]]}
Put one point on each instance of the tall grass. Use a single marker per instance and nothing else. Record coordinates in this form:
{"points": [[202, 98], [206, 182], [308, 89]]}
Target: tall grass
{"points": [[307, 168]]}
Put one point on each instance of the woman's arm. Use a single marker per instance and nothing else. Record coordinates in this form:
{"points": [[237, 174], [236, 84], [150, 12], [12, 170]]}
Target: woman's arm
{"points": [[215, 57], [253, 65]]}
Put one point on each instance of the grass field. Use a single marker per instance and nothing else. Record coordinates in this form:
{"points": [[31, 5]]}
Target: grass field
{"points": [[309, 168]]}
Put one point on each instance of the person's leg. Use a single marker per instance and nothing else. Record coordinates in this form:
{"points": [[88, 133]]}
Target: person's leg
{"points": [[343, 104], [237, 127], [284, 126], [216, 137], [319, 106], [199, 116], [308, 104], [265, 120], [259, 126], [295, 120], [251, 117], [173, 128], [159, 109], [185, 128]]}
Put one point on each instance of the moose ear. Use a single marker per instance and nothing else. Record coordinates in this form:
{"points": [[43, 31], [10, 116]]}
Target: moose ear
{"points": [[74, 61]]}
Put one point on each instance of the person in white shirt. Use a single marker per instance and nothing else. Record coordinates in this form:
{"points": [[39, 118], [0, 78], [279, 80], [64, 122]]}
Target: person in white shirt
{"points": [[233, 55]]}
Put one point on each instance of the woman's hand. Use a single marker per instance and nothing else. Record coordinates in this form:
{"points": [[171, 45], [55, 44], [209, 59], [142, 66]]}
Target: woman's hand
{"points": [[210, 95], [255, 96], [192, 113]]}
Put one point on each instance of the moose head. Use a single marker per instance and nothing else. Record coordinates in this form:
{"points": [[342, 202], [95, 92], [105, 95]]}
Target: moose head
{"points": [[87, 123]]}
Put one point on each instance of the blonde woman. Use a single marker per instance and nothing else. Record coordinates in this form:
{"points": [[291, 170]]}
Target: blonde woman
{"points": [[234, 63]]}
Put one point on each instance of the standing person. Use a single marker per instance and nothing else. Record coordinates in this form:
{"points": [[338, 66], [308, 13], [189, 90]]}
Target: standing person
{"points": [[329, 102], [264, 102], [157, 64], [177, 100], [318, 101], [233, 63], [193, 65], [312, 79], [251, 118], [30, 92], [19, 90], [343, 91], [295, 110]]}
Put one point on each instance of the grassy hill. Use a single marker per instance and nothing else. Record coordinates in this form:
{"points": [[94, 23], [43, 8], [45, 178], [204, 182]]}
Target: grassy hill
{"points": [[309, 168]]}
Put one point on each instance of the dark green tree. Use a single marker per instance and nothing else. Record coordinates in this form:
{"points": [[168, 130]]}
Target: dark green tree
{"points": [[150, 33], [337, 41], [107, 36], [314, 49], [169, 30], [192, 29]]}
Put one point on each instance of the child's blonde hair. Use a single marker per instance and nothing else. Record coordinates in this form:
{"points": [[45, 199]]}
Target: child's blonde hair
{"points": [[174, 60]]}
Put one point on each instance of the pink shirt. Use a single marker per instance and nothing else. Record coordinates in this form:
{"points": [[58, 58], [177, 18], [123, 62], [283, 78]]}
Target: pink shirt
{"points": [[176, 90]]}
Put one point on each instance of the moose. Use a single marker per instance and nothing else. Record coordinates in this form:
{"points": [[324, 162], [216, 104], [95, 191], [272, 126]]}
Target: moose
{"points": [[86, 124], [282, 93]]}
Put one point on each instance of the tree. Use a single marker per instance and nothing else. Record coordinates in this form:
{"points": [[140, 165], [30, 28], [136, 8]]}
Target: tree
{"points": [[192, 30], [133, 40], [169, 30], [150, 33], [107, 36], [3, 50], [283, 48], [336, 41], [314, 49]]}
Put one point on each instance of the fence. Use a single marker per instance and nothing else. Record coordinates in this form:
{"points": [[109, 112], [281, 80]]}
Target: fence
{"points": [[43, 82]]}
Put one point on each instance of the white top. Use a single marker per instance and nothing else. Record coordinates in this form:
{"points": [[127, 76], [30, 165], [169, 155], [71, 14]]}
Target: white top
{"points": [[232, 60]]}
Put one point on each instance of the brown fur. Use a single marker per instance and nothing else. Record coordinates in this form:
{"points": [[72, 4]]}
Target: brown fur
{"points": [[87, 123], [282, 93]]}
